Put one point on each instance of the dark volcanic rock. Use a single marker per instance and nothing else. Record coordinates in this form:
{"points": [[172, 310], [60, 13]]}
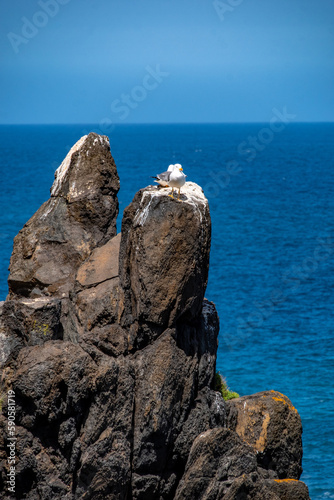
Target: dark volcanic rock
{"points": [[223, 466], [164, 258], [110, 348], [27, 322], [79, 216], [216, 459], [272, 426], [95, 300], [288, 489], [173, 403]]}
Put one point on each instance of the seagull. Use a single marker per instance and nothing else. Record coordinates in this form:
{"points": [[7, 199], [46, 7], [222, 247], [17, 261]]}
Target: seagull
{"points": [[173, 177], [162, 179]]}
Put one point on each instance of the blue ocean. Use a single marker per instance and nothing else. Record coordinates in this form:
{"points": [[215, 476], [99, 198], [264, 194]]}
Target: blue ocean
{"points": [[271, 195]]}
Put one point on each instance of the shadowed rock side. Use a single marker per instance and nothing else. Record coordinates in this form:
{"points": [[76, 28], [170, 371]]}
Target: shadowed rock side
{"points": [[112, 356], [223, 466]]}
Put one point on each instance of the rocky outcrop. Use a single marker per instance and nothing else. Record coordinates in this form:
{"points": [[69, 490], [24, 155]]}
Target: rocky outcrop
{"points": [[269, 423], [221, 465], [112, 354], [164, 261], [79, 216], [256, 456]]}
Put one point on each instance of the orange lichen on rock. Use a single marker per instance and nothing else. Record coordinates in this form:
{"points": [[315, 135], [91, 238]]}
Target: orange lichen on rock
{"points": [[285, 400], [286, 480]]}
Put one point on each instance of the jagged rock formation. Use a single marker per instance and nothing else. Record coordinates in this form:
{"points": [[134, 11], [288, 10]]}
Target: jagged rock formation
{"points": [[110, 347], [79, 216], [256, 455], [271, 425]]}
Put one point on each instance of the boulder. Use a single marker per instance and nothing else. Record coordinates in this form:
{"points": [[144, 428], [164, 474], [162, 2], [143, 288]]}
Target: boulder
{"points": [[269, 423], [288, 489], [217, 458], [28, 322], [222, 465]]}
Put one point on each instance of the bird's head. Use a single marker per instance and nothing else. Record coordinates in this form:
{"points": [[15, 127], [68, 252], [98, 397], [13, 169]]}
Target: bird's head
{"points": [[179, 167]]}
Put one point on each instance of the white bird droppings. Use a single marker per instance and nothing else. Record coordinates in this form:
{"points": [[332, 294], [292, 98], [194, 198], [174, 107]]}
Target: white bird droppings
{"points": [[61, 171]]}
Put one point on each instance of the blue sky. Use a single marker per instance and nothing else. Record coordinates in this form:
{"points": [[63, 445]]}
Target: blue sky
{"points": [[147, 61]]}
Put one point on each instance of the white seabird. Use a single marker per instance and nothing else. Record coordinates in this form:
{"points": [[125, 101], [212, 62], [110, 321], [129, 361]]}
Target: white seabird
{"points": [[162, 179], [173, 177]]}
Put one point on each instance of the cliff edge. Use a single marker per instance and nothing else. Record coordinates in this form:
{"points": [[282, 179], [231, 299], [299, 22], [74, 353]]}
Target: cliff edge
{"points": [[109, 348]]}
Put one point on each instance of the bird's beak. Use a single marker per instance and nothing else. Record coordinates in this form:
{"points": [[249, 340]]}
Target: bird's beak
{"points": [[181, 169]]}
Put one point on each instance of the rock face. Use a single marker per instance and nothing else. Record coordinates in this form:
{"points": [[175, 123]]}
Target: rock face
{"points": [[79, 216], [257, 455], [112, 354], [164, 267], [272, 426]]}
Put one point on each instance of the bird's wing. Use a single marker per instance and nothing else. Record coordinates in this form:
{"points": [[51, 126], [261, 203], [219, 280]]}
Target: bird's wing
{"points": [[165, 176]]}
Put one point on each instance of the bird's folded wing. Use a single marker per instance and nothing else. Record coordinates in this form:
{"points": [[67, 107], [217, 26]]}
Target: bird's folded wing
{"points": [[165, 176]]}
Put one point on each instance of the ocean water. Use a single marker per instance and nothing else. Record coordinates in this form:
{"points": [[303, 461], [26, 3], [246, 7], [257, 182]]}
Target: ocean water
{"points": [[271, 196]]}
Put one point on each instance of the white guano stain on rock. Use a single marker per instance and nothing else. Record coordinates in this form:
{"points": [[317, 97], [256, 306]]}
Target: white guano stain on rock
{"points": [[191, 193], [37, 302], [207, 311], [48, 210], [4, 348], [142, 213], [218, 403], [99, 139], [61, 171]]}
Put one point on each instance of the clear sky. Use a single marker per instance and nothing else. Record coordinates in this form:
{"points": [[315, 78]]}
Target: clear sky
{"points": [[144, 61]]}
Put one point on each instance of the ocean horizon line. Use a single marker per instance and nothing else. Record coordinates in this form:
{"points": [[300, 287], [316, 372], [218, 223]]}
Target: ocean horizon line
{"points": [[83, 124]]}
